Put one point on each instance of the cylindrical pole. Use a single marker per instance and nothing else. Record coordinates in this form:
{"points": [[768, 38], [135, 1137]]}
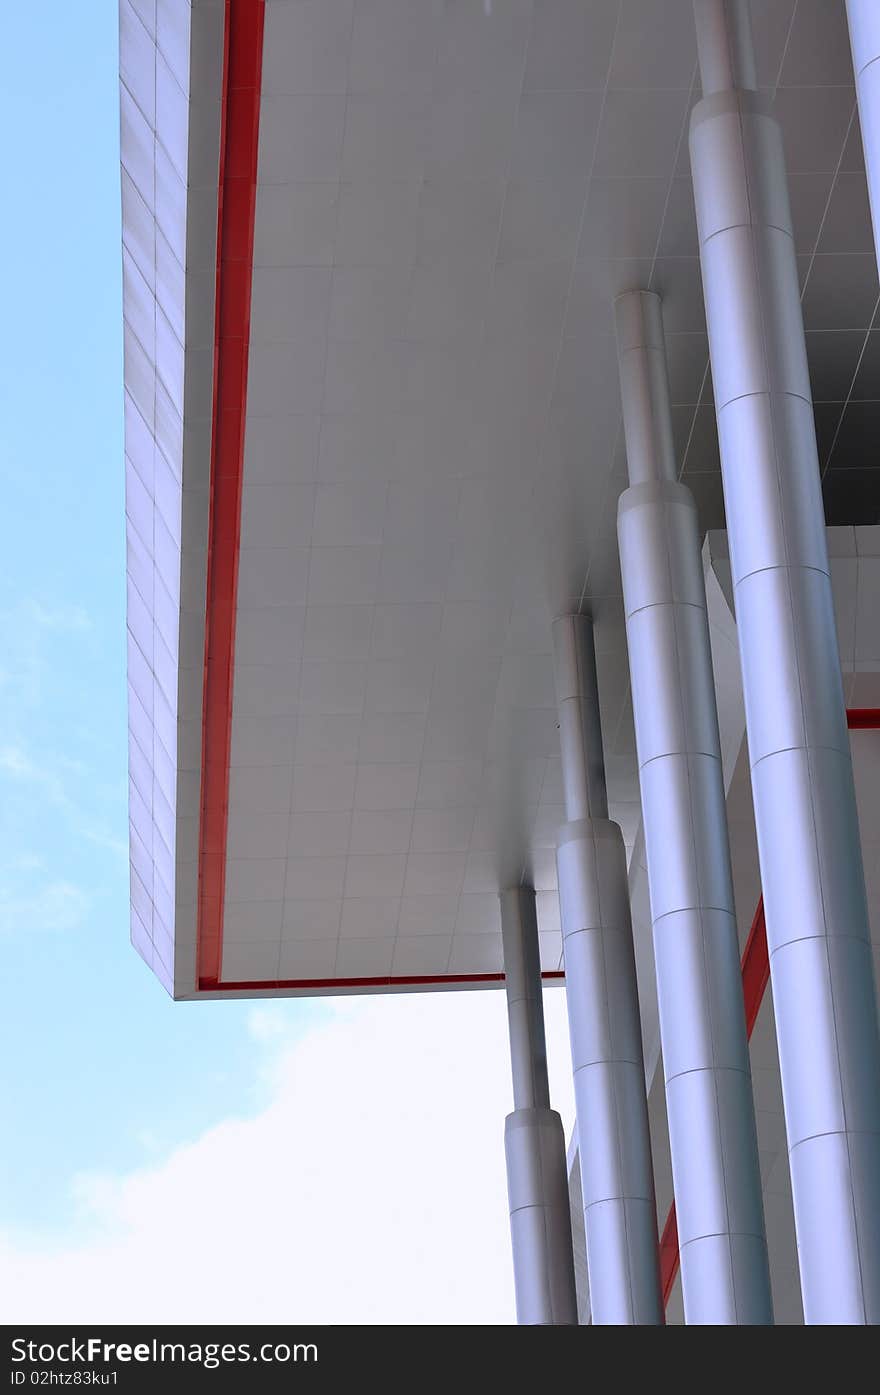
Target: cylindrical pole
{"points": [[712, 1135], [534, 1140], [864, 34], [802, 783], [603, 1007]]}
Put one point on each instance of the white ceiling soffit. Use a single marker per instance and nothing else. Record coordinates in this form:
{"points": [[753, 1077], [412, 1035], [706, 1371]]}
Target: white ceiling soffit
{"points": [[448, 197]]}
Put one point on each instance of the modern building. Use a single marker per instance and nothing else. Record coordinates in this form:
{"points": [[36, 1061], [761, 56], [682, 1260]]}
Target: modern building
{"points": [[502, 407]]}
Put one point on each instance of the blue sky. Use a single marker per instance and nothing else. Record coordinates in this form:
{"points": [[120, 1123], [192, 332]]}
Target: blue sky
{"points": [[96, 1064]]}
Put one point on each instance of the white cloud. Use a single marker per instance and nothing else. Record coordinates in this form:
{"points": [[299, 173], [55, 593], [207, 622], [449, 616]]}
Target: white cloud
{"points": [[65, 619], [29, 635], [370, 1189], [56, 906], [104, 837], [269, 1022], [16, 763], [26, 862], [20, 767]]}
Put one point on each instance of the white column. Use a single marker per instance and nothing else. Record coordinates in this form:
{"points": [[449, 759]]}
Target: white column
{"points": [[534, 1139], [864, 33], [802, 785], [716, 1175], [603, 1006]]}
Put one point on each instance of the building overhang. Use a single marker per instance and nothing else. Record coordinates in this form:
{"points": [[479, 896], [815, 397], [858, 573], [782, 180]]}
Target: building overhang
{"points": [[373, 447]]}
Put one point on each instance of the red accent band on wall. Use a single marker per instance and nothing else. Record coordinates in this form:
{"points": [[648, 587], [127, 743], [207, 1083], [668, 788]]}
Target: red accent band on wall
{"points": [[755, 977], [239, 136], [863, 718], [382, 981], [755, 968]]}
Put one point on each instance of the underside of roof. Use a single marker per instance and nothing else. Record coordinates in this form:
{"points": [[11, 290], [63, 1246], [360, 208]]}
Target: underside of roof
{"points": [[373, 444]]}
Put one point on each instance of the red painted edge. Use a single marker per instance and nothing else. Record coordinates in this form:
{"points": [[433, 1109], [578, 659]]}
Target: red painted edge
{"points": [[236, 200], [669, 1255], [755, 968], [863, 718], [382, 981], [755, 977]]}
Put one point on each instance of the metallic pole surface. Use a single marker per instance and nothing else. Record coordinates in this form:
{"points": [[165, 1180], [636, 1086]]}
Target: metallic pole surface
{"points": [[534, 1139], [603, 1006], [801, 766], [713, 1140], [864, 34]]}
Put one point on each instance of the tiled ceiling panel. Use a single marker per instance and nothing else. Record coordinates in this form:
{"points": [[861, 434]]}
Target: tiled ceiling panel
{"points": [[449, 195]]}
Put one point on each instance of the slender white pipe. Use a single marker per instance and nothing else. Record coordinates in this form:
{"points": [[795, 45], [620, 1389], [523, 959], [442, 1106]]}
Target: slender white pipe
{"points": [[534, 1139]]}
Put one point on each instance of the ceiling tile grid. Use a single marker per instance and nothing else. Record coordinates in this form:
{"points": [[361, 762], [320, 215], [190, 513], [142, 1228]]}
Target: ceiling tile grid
{"points": [[449, 197]]}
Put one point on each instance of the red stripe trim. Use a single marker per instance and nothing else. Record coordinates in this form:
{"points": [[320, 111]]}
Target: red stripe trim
{"points": [[863, 718], [755, 968], [389, 981], [669, 1259], [755, 977], [239, 136]]}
